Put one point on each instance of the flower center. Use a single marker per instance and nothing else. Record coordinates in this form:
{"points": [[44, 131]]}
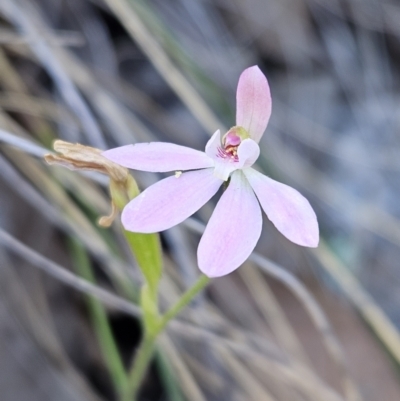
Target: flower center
{"points": [[230, 143], [229, 153]]}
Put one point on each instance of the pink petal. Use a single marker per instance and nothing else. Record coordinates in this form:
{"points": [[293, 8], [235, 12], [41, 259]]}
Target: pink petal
{"points": [[248, 152], [290, 212], [253, 102], [213, 144], [233, 230], [158, 157], [169, 201], [223, 169]]}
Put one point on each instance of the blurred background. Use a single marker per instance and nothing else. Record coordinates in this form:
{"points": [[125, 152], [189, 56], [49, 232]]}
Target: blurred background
{"points": [[292, 323]]}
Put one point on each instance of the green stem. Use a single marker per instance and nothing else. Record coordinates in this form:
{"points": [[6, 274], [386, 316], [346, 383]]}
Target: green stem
{"points": [[99, 318], [186, 298], [168, 378], [147, 346], [139, 368]]}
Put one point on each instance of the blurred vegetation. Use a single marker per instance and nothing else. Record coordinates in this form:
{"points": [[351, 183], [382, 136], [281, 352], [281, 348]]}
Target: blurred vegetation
{"points": [[292, 324]]}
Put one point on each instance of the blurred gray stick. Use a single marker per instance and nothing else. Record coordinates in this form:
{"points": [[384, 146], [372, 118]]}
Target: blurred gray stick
{"points": [[27, 145], [61, 38]]}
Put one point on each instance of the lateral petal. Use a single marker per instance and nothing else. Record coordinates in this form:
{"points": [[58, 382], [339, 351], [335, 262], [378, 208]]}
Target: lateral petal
{"points": [[223, 164], [169, 201], [289, 211], [158, 157], [232, 231], [253, 102], [248, 152], [213, 144]]}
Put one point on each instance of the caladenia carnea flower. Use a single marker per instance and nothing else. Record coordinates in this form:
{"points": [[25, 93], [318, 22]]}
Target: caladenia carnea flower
{"points": [[235, 225]]}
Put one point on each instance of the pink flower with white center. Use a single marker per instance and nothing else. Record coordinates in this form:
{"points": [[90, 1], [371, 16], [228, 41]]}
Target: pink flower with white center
{"points": [[235, 225]]}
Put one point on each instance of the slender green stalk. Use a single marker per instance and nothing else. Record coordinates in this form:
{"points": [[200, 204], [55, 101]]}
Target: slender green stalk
{"points": [[100, 321], [139, 368], [147, 346], [147, 251], [186, 298], [170, 384]]}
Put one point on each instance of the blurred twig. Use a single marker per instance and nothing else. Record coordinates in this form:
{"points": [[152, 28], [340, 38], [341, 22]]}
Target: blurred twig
{"points": [[26, 145], [364, 303], [268, 305]]}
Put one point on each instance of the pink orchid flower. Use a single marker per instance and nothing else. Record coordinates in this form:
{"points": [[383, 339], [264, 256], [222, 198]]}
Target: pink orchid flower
{"points": [[235, 225]]}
